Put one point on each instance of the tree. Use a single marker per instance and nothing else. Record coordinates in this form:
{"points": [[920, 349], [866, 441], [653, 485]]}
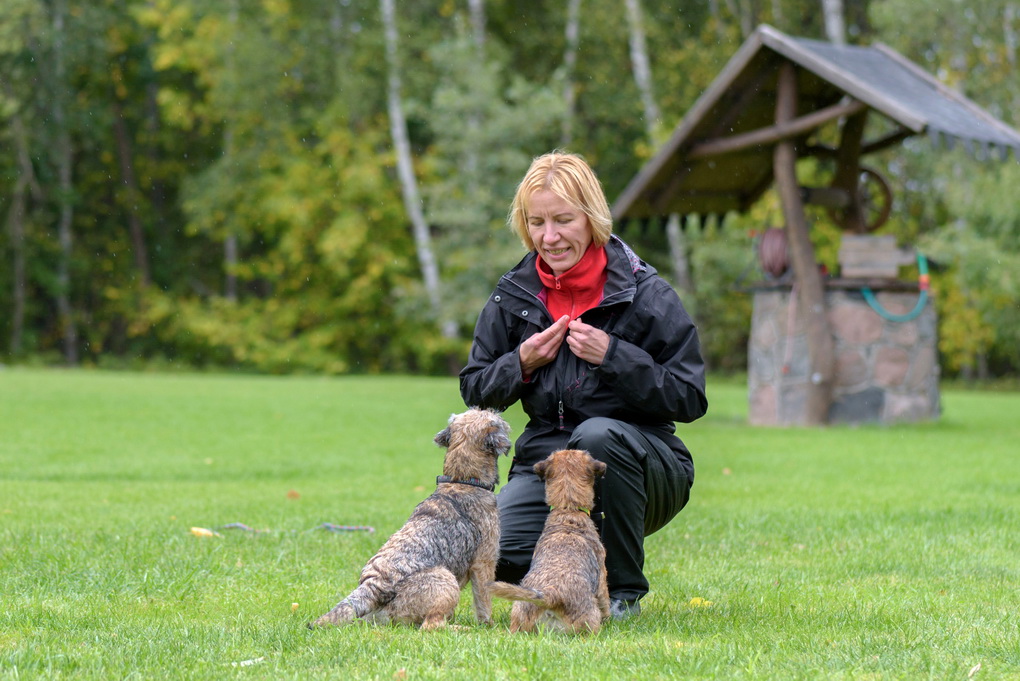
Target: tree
{"points": [[643, 77], [63, 156], [835, 26], [517, 120], [17, 20], [405, 168], [572, 34]]}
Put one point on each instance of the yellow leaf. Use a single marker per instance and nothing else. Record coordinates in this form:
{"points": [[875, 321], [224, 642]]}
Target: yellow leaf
{"points": [[203, 532]]}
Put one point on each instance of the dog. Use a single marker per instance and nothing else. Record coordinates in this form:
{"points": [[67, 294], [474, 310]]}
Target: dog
{"points": [[451, 537], [566, 585]]}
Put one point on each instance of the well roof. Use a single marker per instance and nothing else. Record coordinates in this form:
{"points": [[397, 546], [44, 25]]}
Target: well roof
{"points": [[742, 99]]}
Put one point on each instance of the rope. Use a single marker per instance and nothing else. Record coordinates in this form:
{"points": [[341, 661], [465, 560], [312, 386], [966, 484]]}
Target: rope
{"points": [[923, 283], [331, 527]]}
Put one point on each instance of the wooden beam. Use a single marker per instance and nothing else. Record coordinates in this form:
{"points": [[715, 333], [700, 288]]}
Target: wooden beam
{"points": [[848, 170], [830, 197], [810, 305], [887, 141], [884, 142], [776, 133]]}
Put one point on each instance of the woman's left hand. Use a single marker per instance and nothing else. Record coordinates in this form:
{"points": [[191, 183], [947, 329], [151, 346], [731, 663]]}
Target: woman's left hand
{"points": [[587, 342]]}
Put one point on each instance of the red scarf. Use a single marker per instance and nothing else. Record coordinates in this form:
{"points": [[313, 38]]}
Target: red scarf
{"points": [[577, 290]]}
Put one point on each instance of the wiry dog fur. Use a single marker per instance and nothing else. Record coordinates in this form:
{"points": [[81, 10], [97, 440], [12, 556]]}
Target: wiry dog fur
{"points": [[566, 584], [451, 537]]}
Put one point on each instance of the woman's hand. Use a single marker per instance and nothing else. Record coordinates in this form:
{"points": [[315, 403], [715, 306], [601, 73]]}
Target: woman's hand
{"points": [[587, 342], [540, 349]]}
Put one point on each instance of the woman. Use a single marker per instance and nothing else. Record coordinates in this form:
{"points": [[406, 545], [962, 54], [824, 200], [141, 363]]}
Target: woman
{"points": [[603, 357]]}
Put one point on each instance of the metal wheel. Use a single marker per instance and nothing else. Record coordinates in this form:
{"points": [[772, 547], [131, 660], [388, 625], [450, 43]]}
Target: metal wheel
{"points": [[876, 202]]}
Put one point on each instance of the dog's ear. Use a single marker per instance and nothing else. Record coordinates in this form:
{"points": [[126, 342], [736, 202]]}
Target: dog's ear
{"points": [[442, 438], [497, 442], [540, 468], [598, 468]]}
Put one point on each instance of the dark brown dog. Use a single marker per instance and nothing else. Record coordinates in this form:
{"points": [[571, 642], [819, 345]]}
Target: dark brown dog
{"points": [[451, 537], [566, 584]]}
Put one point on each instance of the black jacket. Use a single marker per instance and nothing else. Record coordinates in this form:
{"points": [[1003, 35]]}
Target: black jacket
{"points": [[652, 375]]}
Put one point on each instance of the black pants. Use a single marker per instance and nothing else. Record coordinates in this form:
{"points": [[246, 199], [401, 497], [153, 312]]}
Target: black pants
{"points": [[645, 486]]}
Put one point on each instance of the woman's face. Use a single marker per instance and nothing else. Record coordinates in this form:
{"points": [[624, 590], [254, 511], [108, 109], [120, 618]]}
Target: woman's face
{"points": [[560, 231]]}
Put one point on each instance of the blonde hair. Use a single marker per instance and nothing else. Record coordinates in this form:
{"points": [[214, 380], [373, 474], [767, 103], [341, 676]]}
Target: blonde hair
{"points": [[569, 177]]}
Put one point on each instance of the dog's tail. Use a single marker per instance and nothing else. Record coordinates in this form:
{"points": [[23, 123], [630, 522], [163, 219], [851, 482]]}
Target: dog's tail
{"points": [[515, 592]]}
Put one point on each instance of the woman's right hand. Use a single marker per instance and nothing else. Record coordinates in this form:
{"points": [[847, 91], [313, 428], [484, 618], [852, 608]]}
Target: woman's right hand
{"points": [[540, 349]]}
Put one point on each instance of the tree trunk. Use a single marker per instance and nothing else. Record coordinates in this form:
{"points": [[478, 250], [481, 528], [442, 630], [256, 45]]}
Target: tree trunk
{"points": [[848, 170], [810, 290], [678, 254], [835, 24], [745, 14], [720, 27], [477, 10], [134, 194], [230, 245], [777, 13], [641, 67], [405, 171], [23, 186], [573, 33], [64, 159], [1010, 13], [474, 121], [643, 77]]}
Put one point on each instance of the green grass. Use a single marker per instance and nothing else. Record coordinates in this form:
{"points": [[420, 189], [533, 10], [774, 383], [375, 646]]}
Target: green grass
{"points": [[839, 553]]}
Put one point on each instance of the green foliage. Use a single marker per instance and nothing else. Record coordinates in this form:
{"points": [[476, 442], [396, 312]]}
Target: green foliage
{"points": [[193, 121], [982, 284], [329, 272], [722, 256]]}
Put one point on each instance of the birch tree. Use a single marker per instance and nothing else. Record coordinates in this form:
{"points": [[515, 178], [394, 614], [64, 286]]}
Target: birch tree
{"points": [[640, 65], [477, 11], [230, 245], [573, 34], [25, 186], [405, 171], [63, 154], [835, 23], [643, 77], [19, 21]]}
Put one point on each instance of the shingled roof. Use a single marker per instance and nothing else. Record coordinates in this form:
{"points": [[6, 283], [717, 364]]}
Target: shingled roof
{"points": [[712, 164]]}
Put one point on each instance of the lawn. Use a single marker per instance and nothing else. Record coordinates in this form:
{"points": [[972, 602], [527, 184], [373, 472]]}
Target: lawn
{"points": [[838, 553]]}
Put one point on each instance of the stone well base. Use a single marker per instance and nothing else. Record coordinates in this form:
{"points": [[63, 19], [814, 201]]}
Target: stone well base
{"points": [[886, 372]]}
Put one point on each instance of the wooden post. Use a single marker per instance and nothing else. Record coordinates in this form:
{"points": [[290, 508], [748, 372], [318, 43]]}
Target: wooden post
{"points": [[848, 169], [811, 308]]}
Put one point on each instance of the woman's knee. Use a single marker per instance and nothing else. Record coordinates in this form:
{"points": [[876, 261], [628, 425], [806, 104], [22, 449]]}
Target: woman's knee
{"points": [[593, 435], [607, 440]]}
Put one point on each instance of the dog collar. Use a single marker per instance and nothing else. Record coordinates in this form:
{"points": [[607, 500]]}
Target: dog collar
{"points": [[586, 511], [474, 482]]}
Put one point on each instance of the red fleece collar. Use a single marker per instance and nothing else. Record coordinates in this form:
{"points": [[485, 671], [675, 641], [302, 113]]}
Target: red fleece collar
{"points": [[577, 290]]}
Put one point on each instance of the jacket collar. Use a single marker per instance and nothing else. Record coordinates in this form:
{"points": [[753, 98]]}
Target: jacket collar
{"points": [[623, 269]]}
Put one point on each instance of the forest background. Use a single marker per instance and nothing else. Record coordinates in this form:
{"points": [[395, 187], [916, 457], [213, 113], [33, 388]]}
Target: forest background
{"points": [[322, 186]]}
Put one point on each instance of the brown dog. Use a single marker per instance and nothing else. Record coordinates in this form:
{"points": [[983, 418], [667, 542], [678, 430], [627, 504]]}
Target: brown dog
{"points": [[451, 537], [566, 584]]}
